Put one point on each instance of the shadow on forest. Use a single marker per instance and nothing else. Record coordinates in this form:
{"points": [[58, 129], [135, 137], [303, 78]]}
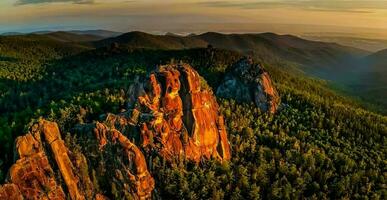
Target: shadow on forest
{"points": [[8, 59]]}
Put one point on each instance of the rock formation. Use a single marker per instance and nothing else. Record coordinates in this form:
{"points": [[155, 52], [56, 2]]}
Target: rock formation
{"points": [[141, 179], [179, 115], [33, 177], [249, 82], [173, 113]]}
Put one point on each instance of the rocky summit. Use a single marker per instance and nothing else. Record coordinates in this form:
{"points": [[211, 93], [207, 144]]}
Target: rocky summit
{"points": [[173, 112], [184, 114], [249, 82]]}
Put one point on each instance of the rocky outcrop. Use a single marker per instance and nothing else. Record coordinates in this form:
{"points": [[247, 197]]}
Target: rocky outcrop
{"points": [[173, 113], [142, 181], [249, 82], [33, 177], [178, 115], [10, 191], [60, 153]]}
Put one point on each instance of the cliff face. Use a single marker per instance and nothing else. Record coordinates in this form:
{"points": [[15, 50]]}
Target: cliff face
{"points": [[249, 82], [173, 113], [183, 115], [33, 177]]}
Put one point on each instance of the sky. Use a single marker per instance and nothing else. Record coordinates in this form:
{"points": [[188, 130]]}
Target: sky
{"points": [[185, 16]]}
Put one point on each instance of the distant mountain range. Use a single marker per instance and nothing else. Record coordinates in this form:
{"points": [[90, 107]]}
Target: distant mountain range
{"points": [[144, 40], [72, 37], [317, 58], [380, 56], [99, 33], [371, 78], [359, 71], [288, 46], [368, 44]]}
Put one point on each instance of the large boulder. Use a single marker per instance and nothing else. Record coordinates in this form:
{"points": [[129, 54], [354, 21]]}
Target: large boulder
{"points": [[250, 82]]}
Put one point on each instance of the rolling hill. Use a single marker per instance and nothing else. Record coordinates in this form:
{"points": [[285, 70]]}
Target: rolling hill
{"points": [[317, 58], [350, 69], [345, 67], [40, 46], [63, 36], [100, 33], [23, 57], [144, 40], [287, 46], [371, 81], [379, 57], [368, 44], [282, 43]]}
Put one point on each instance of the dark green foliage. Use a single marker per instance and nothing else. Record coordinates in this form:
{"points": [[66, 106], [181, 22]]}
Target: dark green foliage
{"points": [[23, 58], [320, 145], [88, 81], [306, 150], [1, 172]]}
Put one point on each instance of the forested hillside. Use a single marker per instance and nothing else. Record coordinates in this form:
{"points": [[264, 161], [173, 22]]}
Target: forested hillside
{"points": [[348, 69], [319, 145], [23, 58], [367, 80], [310, 53]]}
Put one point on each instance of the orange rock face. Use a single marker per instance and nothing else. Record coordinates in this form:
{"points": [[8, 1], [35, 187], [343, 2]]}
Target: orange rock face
{"points": [[269, 92], [182, 115], [60, 152], [10, 191], [33, 177]]}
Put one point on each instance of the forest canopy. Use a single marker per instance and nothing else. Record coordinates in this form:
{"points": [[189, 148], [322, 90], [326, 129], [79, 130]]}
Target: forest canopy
{"points": [[319, 145]]}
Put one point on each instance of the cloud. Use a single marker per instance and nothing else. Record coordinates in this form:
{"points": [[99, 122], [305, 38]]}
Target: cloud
{"points": [[24, 2], [317, 5]]}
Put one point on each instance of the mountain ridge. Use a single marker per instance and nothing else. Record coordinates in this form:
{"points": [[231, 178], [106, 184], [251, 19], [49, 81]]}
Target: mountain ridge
{"points": [[98, 32], [287, 46], [379, 55], [64, 36]]}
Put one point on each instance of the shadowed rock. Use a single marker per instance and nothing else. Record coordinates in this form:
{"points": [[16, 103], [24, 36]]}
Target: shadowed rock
{"points": [[249, 82], [143, 182]]}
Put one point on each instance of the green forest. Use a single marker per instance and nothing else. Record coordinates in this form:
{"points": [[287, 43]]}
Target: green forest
{"points": [[321, 144]]}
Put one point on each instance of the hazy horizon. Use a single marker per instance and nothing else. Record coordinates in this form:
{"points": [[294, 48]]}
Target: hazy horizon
{"points": [[350, 17]]}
